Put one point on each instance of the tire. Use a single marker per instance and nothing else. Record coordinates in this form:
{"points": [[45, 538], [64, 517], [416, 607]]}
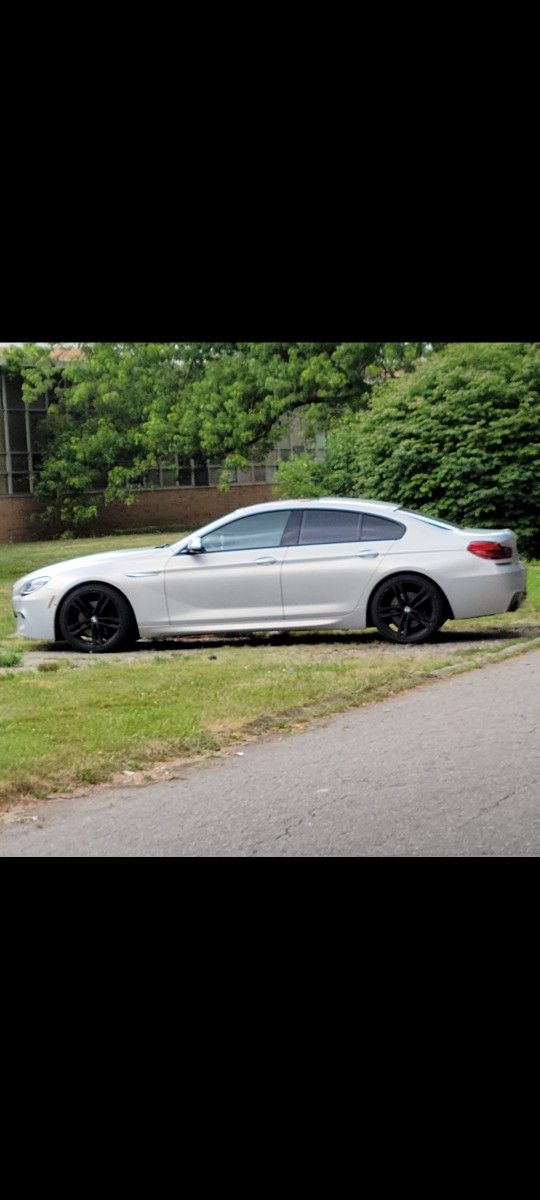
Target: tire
{"points": [[95, 619], [407, 609]]}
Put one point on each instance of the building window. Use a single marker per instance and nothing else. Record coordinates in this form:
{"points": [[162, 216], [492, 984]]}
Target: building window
{"points": [[21, 451], [19, 437], [200, 475], [4, 490], [184, 478]]}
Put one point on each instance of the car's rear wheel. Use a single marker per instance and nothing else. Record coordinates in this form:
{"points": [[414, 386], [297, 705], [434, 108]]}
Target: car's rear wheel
{"points": [[407, 609], [95, 619]]}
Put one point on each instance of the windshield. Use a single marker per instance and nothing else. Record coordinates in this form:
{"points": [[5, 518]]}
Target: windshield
{"points": [[428, 519]]}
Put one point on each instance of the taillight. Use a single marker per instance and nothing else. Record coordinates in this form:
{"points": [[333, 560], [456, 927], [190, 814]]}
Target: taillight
{"points": [[490, 550]]}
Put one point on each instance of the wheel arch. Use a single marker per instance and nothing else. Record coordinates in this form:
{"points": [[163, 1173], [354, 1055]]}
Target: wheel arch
{"points": [[449, 616], [93, 583]]}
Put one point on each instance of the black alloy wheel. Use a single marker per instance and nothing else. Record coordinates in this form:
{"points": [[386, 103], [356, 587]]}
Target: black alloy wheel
{"points": [[407, 609], [95, 619]]}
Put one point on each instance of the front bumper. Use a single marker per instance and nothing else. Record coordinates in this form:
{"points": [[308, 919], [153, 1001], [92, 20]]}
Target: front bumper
{"points": [[35, 614]]}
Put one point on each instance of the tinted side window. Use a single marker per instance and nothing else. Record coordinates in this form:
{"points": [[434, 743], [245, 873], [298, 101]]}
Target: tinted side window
{"points": [[380, 529], [257, 532], [329, 525]]}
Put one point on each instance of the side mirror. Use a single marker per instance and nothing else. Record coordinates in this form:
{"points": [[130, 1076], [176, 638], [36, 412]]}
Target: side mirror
{"points": [[195, 545]]}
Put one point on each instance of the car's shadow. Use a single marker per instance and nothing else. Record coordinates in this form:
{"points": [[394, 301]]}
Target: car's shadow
{"points": [[361, 639]]}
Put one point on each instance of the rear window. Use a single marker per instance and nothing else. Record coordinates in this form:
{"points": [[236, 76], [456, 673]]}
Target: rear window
{"points": [[429, 520]]}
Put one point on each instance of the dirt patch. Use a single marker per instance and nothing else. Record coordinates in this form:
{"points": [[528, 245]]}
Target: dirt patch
{"points": [[319, 646]]}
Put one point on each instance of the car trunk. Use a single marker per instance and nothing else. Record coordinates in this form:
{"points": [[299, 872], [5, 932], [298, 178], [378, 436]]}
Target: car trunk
{"points": [[497, 537]]}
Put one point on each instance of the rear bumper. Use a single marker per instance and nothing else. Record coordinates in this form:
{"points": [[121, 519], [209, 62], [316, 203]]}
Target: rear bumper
{"points": [[516, 601], [491, 591]]}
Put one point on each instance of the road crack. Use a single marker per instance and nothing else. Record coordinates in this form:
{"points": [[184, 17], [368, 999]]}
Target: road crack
{"points": [[487, 808]]}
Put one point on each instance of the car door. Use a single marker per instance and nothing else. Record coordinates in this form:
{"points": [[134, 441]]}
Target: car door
{"points": [[235, 581], [326, 575]]}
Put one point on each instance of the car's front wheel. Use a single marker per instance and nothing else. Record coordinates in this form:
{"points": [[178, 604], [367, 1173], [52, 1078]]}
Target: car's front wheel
{"points": [[95, 619], [407, 609]]}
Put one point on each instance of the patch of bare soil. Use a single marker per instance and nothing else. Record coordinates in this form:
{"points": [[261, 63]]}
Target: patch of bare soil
{"points": [[322, 645]]}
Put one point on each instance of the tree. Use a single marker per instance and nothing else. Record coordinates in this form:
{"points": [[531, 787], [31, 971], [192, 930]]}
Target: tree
{"points": [[120, 407], [458, 437], [93, 438]]}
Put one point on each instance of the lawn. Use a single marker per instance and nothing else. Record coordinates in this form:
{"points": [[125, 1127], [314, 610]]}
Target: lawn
{"points": [[80, 719]]}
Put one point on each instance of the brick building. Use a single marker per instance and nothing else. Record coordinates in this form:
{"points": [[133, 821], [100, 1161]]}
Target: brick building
{"points": [[178, 494]]}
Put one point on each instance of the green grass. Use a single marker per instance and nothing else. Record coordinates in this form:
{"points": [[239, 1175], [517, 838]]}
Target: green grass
{"points": [[63, 725], [10, 658]]}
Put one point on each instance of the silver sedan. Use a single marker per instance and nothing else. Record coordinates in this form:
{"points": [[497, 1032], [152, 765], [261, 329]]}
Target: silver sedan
{"points": [[293, 564]]}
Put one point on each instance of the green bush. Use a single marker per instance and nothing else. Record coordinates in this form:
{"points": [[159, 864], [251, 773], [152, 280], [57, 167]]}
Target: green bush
{"points": [[458, 437]]}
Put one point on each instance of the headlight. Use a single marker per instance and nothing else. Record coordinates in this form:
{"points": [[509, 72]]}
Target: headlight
{"points": [[33, 585]]}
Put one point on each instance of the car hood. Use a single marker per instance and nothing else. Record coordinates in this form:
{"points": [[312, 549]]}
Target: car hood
{"points": [[150, 558]]}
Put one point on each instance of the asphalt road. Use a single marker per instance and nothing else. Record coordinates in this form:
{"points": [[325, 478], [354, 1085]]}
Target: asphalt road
{"points": [[450, 769]]}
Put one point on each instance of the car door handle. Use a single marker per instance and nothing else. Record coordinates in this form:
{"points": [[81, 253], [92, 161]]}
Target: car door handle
{"points": [[257, 562], [368, 554]]}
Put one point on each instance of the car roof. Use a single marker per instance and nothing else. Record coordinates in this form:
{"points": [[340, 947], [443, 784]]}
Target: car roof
{"points": [[376, 506]]}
